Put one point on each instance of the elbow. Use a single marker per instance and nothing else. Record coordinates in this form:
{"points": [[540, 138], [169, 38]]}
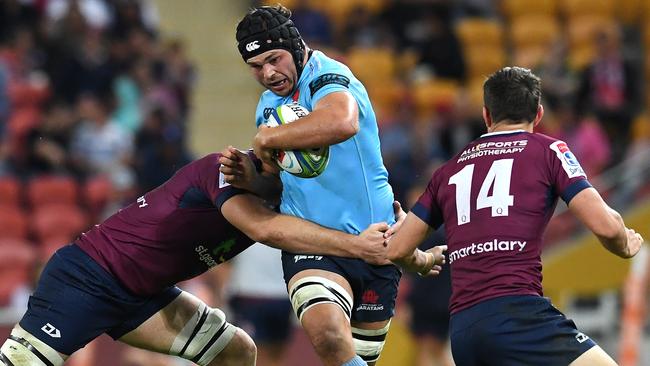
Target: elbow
{"points": [[350, 128]]}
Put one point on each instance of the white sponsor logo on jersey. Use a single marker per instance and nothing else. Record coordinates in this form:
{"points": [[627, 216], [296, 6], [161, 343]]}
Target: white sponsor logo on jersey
{"points": [[493, 148], [569, 162], [51, 331], [252, 46], [142, 202], [495, 245]]}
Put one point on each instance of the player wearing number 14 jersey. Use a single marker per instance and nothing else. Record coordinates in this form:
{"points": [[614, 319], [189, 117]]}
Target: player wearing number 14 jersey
{"points": [[496, 198]]}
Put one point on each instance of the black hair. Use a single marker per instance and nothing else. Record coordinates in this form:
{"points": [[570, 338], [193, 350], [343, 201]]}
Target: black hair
{"points": [[513, 94]]}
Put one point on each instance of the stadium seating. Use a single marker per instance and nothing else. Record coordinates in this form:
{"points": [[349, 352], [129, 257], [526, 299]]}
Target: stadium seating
{"points": [[515, 8], [58, 220], [13, 222], [431, 95], [47, 190], [372, 63], [576, 8], [96, 193], [17, 261], [479, 31], [482, 61], [10, 191]]}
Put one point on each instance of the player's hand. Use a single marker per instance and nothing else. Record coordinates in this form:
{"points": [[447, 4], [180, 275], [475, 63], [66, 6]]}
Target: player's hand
{"points": [[259, 145], [400, 216], [634, 242], [237, 167], [435, 260], [372, 246]]}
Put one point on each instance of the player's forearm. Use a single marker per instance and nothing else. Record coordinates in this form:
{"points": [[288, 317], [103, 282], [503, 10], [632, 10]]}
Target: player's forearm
{"points": [[412, 262], [267, 186], [300, 236], [313, 131], [614, 237]]}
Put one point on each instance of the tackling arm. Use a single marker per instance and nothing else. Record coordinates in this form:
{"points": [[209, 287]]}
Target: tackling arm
{"points": [[335, 118], [607, 224], [403, 251], [249, 214]]}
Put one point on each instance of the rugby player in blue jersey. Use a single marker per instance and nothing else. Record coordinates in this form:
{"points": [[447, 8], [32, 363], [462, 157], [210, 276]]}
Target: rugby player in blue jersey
{"points": [[495, 198], [119, 277], [344, 305]]}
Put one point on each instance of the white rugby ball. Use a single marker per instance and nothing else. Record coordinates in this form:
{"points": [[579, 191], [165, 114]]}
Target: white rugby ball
{"points": [[307, 163]]}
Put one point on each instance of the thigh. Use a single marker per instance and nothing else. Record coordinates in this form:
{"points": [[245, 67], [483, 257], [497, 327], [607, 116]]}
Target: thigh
{"points": [[516, 330], [75, 301], [595, 356]]}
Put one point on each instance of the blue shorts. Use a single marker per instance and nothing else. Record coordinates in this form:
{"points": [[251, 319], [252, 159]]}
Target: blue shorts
{"points": [[267, 321], [374, 288], [515, 330], [76, 300]]}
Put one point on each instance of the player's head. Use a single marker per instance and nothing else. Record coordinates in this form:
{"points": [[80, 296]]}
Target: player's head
{"points": [[271, 45], [512, 96]]}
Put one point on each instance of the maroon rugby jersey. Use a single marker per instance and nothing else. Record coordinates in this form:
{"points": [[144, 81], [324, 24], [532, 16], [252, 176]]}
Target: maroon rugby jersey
{"points": [[495, 199], [171, 234]]}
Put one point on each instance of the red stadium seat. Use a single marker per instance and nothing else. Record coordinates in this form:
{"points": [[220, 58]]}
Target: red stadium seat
{"points": [[49, 245], [47, 190], [17, 261], [13, 222], [97, 192], [10, 191], [58, 220]]}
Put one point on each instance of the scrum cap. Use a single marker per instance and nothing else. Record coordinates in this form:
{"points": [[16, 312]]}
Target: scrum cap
{"points": [[268, 28]]}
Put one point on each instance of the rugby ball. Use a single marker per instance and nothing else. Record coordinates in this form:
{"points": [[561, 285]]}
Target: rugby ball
{"points": [[307, 163]]}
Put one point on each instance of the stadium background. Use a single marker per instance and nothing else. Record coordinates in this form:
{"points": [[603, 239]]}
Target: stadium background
{"points": [[154, 83]]}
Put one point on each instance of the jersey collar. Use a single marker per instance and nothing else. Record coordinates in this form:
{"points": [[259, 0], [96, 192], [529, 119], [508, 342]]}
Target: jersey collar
{"points": [[489, 134]]}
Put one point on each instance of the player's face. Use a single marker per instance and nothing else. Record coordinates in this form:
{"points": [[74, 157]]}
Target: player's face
{"points": [[275, 70]]}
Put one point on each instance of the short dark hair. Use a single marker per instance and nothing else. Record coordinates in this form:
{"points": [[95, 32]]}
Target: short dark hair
{"points": [[512, 93]]}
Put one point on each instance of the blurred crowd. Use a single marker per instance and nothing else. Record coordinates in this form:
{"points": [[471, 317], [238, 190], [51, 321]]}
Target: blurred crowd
{"points": [[424, 61], [95, 101], [87, 88]]}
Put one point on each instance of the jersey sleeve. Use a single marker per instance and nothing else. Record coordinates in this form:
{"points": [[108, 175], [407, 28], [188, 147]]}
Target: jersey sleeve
{"points": [[426, 207], [567, 176], [211, 181]]}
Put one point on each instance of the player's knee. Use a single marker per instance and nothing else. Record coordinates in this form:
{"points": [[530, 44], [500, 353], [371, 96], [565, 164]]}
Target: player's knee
{"points": [[204, 336], [247, 350], [241, 350], [329, 339], [22, 348]]}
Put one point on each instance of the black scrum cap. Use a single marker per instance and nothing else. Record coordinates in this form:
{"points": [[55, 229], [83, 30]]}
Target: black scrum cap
{"points": [[268, 28]]}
